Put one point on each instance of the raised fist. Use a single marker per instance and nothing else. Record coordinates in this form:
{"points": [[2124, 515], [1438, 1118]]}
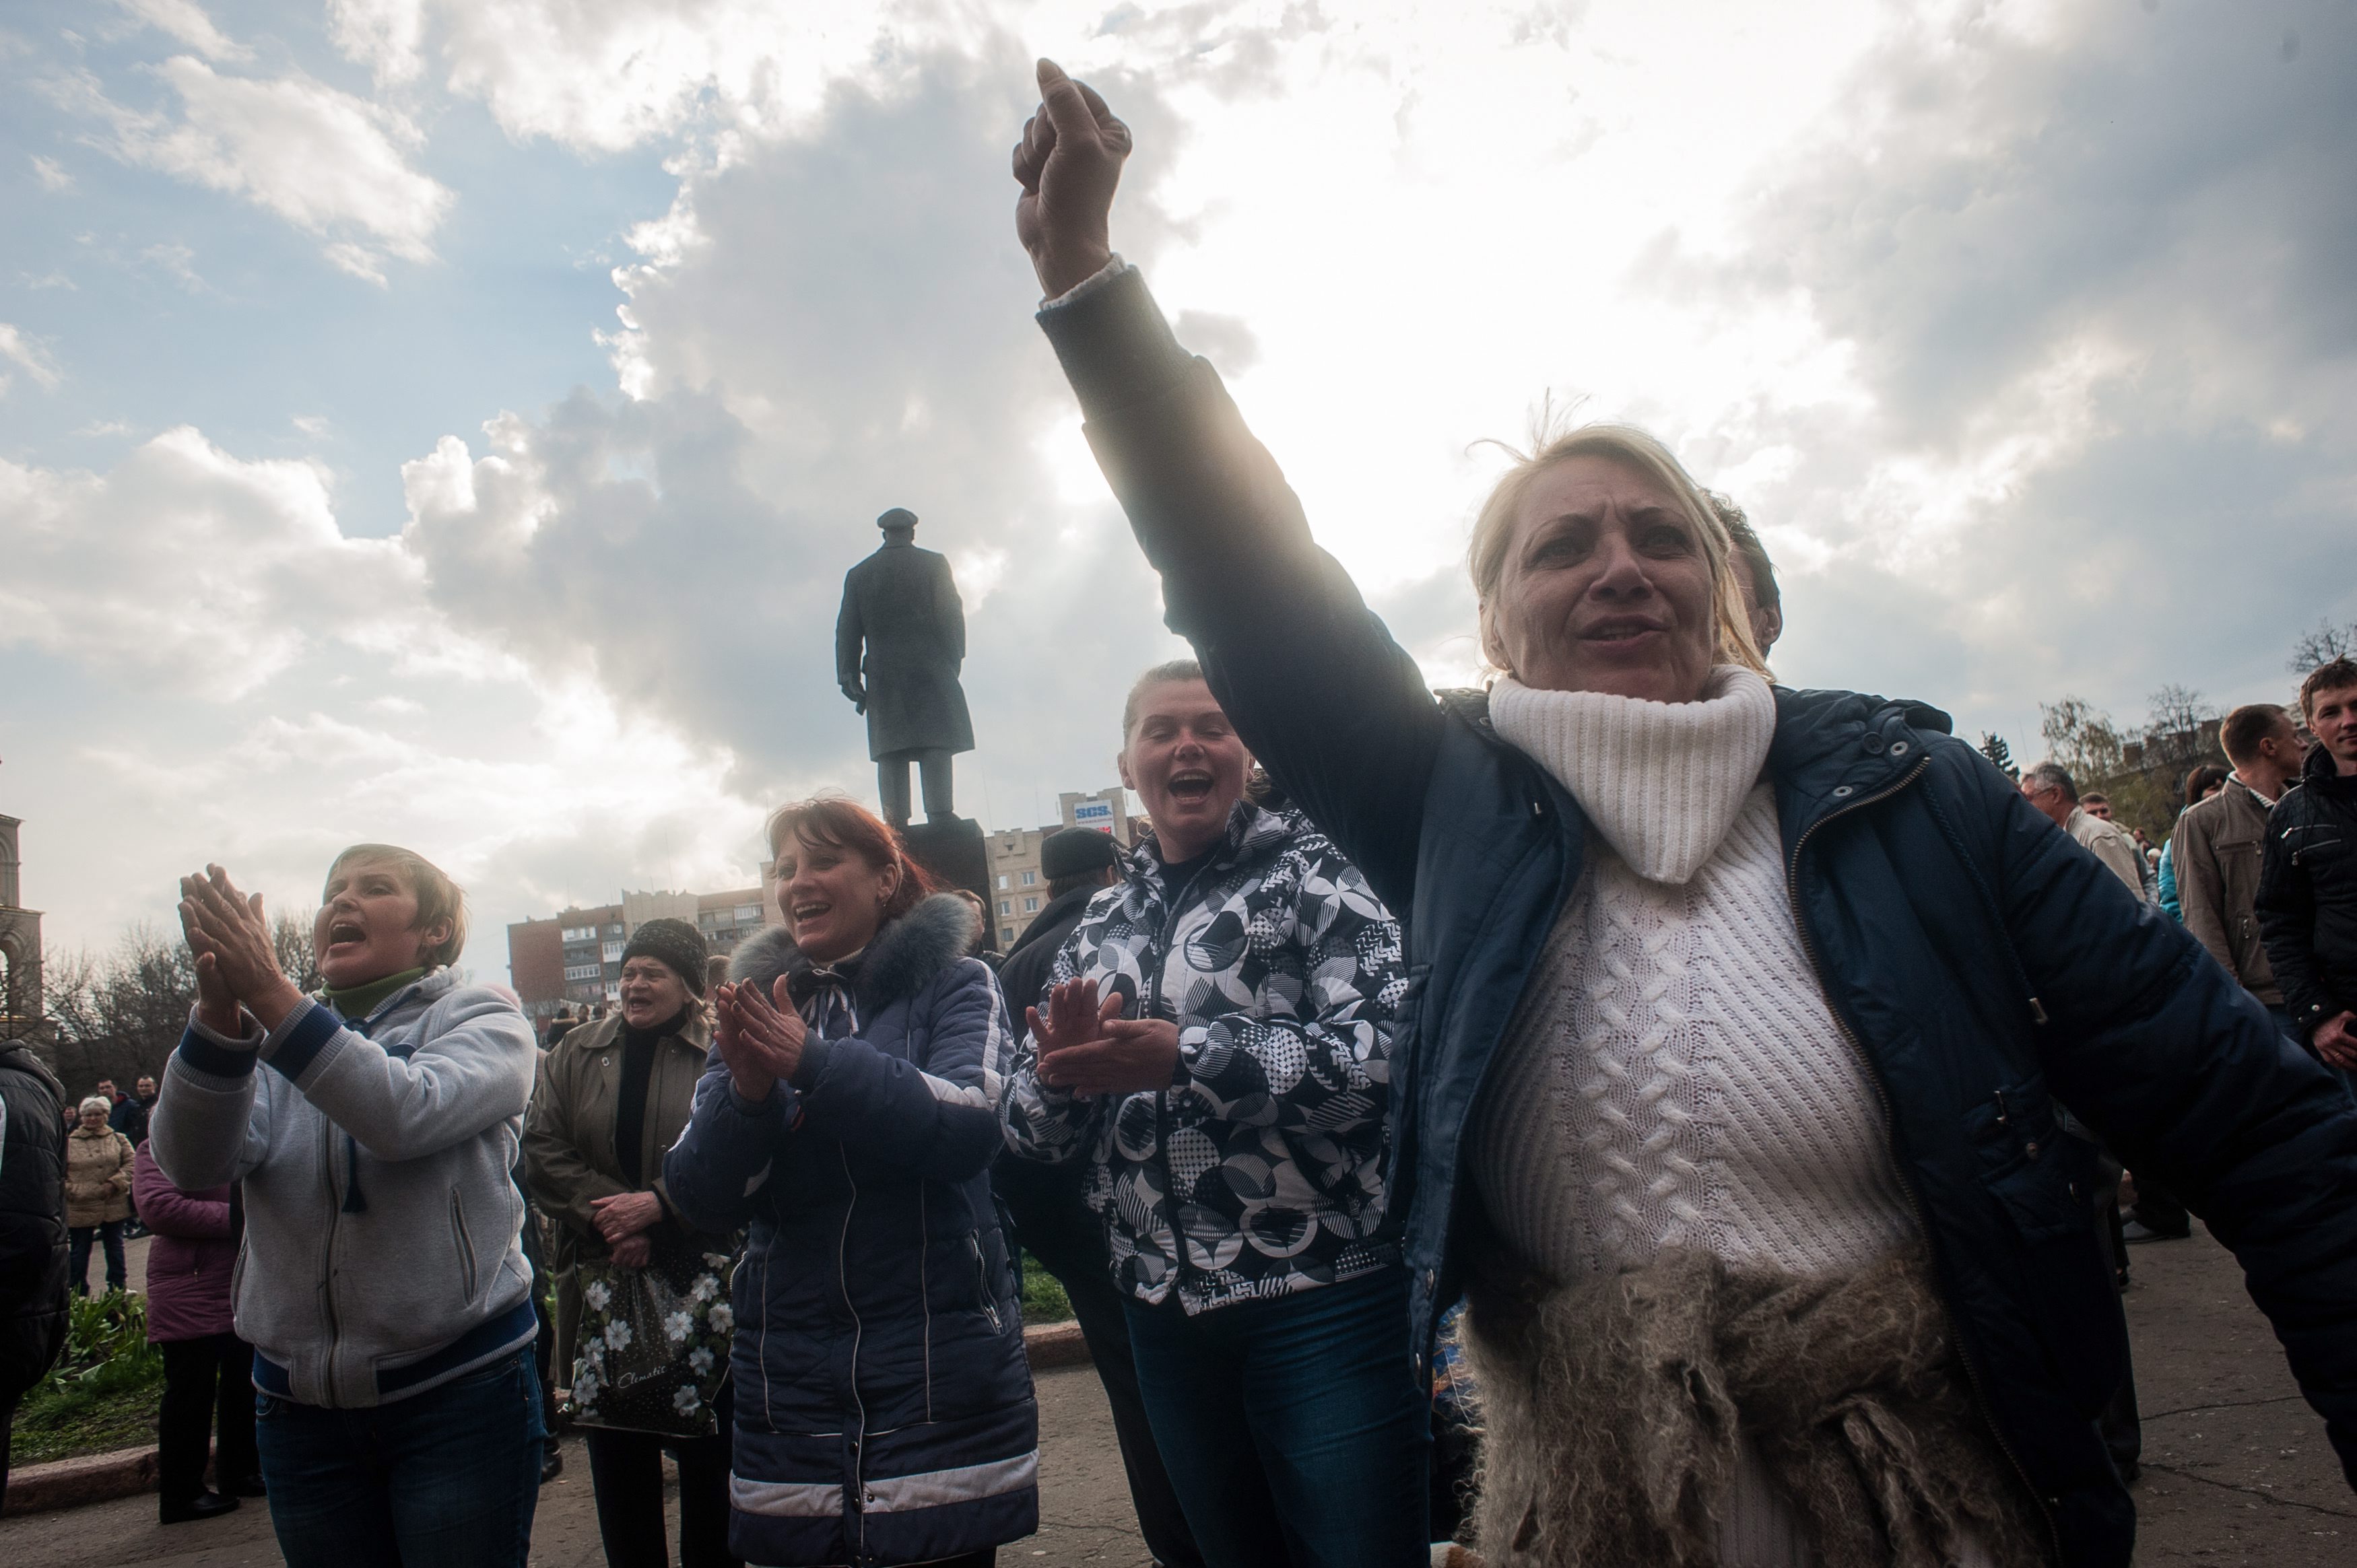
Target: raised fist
{"points": [[1068, 163]]}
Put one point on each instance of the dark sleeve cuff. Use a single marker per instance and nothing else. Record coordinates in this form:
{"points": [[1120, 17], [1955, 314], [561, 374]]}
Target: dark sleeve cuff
{"points": [[205, 1051], [1115, 346], [298, 1040], [807, 1071]]}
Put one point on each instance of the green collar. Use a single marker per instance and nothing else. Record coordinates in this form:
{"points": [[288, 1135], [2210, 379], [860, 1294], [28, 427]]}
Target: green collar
{"points": [[357, 1001]]}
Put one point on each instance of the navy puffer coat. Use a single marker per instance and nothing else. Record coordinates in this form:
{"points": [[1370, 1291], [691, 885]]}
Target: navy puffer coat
{"points": [[883, 1409], [1986, 965]]}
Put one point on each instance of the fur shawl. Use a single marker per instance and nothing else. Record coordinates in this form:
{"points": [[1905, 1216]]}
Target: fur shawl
{"points": [[909, 953]]}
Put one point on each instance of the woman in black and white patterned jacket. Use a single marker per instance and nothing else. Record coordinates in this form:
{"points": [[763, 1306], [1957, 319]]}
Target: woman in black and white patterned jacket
{"points": [[1216, 1044]]}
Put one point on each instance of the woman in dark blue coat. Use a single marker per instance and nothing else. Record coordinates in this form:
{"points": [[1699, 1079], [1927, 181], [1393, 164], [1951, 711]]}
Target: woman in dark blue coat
{"points": [[848, 1115], [1740, 1019]]}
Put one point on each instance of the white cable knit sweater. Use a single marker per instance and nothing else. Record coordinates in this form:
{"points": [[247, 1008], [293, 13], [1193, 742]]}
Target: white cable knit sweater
{"points": [[1673, 1075]]}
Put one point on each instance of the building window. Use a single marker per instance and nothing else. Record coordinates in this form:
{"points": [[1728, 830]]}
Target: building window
{"points": [[1006, 933], [580, 933], [583, 972], [1030, 906], [1030, 879], [748, 914], [1006, 906], [1002, 879], [613, 952]]}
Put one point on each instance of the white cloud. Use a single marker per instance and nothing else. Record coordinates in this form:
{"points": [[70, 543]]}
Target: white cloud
{"points": [[192, 569], [50, 173], [27, 355], [178, 260], [185, 21], [332, 165], [383, 35]]}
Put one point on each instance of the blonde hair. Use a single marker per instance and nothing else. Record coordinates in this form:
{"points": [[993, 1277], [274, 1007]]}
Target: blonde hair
{"points": [[438, 897], [1494, 525], [95, 1102]]}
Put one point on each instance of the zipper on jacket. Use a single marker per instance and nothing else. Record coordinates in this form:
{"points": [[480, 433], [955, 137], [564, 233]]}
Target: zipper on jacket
{"points": [[466, 1243], [327, 1261], [1151, 997], [982, 1279], [1899, 1167], [843, 1288]]}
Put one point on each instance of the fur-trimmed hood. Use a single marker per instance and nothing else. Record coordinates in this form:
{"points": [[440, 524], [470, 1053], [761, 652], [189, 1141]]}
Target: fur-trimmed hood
{"points": [[908, 954]]}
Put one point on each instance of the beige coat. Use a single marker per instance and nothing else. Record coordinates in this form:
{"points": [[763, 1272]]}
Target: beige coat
{"points": [[2220, 842], [2113, 847], [98, 1177], [569, 1149]]}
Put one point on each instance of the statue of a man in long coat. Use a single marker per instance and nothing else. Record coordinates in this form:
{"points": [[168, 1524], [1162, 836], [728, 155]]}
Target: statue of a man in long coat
{"points": [[899, 644]]}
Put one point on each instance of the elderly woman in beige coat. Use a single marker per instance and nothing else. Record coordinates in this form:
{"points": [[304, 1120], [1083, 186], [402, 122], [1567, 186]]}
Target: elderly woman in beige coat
{"points": [[612, 1097], [97, 1193]]}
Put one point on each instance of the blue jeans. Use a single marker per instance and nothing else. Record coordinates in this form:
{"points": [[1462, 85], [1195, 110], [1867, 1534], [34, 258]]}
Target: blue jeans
{"points": [[1294, 1428], [447, 1478], [110, 1236]]}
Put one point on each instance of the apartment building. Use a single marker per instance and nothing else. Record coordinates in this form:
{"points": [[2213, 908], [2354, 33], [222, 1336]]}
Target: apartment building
{"points": [[575, 955], [1018, 890]]}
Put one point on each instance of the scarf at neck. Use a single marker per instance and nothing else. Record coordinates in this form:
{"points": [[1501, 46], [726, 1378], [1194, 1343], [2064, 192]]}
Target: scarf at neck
{"points": [[1661, 782], [354, 1003]]}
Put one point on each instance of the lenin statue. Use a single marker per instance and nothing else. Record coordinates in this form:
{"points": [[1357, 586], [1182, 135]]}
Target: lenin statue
{"points": [[901, 606]]}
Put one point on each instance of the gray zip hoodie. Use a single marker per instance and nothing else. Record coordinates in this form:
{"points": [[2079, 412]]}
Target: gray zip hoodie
{"points": [[381, 1252]]}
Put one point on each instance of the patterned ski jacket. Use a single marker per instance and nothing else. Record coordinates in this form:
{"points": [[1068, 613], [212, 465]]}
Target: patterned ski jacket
{"points": [[1282, 971]]}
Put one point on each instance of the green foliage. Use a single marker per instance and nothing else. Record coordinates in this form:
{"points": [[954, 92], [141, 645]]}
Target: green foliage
{"points": [[1044, 1300], [1993, 747], [103, 1390]]}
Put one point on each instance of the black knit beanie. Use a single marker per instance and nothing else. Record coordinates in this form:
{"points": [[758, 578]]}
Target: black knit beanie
{"points": [[677, 945]]}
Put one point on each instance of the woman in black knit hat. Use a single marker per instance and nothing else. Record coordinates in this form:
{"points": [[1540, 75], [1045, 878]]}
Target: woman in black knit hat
{"points": [[613, 1096]]}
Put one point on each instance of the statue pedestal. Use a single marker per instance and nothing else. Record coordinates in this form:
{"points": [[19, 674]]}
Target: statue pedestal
{"points": [[952, 850]]}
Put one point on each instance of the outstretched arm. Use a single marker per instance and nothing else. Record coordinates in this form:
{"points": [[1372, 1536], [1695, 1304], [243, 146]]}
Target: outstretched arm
{"points": [[1315, 684]]}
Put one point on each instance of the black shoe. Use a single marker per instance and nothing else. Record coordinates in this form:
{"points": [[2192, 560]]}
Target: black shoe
{"points": [[552, 1465], [2136, 1232], [204, 1505], [247, 1487]]}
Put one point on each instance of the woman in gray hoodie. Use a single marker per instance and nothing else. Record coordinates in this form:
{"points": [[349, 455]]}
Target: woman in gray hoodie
{"points": [[382, 1285]]}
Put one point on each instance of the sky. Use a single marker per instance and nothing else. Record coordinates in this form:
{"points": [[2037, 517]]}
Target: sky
{"points": [[448, 423]]}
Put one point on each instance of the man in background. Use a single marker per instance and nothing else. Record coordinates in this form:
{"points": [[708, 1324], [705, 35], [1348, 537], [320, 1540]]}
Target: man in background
{"points": [[2308, 886], [2048, 787], [1763, 600]]}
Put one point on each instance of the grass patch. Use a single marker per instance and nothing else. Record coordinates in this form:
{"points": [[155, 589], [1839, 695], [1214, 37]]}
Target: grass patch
{"points": [[102, 1393], [1044, 1300]]}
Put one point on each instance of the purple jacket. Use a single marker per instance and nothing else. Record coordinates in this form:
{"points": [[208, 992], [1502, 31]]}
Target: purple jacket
{"points": [[191, 1259]]}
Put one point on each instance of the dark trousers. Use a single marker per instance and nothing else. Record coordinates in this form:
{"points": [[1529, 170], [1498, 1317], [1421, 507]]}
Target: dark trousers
{"points": [[2121, 1426], [892, 783], [1053, 1223], [1294, 1429], [77, 1263], [2157, 1208], [626, 1469], [195, 1372], [446, 1479], [9, 1398]]}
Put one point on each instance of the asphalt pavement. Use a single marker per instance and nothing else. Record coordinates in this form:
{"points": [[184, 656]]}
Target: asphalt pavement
{"points": [[2237, 1470]]}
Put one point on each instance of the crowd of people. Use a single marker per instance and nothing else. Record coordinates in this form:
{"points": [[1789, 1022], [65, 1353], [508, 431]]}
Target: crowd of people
{"points": [[1730, 1084]]}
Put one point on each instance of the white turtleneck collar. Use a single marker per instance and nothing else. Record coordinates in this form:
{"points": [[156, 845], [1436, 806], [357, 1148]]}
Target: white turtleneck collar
{"points": [[1661, 782]]}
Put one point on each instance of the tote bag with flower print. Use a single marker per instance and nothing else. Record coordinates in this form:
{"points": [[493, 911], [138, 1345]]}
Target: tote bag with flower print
{"points": [[654, 1344]]}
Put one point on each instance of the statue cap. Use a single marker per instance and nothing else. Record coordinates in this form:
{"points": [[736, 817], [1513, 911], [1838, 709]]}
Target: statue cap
{"points": [[898, 517]]}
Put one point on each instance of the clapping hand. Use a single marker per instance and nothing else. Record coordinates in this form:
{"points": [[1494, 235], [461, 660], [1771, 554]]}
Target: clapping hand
{"points": [[1068, 163], [237, 964], [761, 1040], [1088, 1047]]}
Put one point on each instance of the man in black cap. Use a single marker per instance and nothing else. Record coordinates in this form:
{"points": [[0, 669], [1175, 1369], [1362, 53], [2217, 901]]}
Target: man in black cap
{"points": [[1052, 1220], [900, 641]]}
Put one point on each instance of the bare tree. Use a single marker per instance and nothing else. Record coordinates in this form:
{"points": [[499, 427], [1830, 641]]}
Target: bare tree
{"points": [[2180, 733], [2322, 646], [2080, 736], [290, 938]]}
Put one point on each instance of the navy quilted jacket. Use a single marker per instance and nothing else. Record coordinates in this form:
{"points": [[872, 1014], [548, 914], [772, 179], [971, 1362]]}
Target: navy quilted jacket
{"points": [[883, 1409], [1986, 966]]}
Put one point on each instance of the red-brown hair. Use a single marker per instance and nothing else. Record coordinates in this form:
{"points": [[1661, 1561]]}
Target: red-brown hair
{"points": [[839, 822]]}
